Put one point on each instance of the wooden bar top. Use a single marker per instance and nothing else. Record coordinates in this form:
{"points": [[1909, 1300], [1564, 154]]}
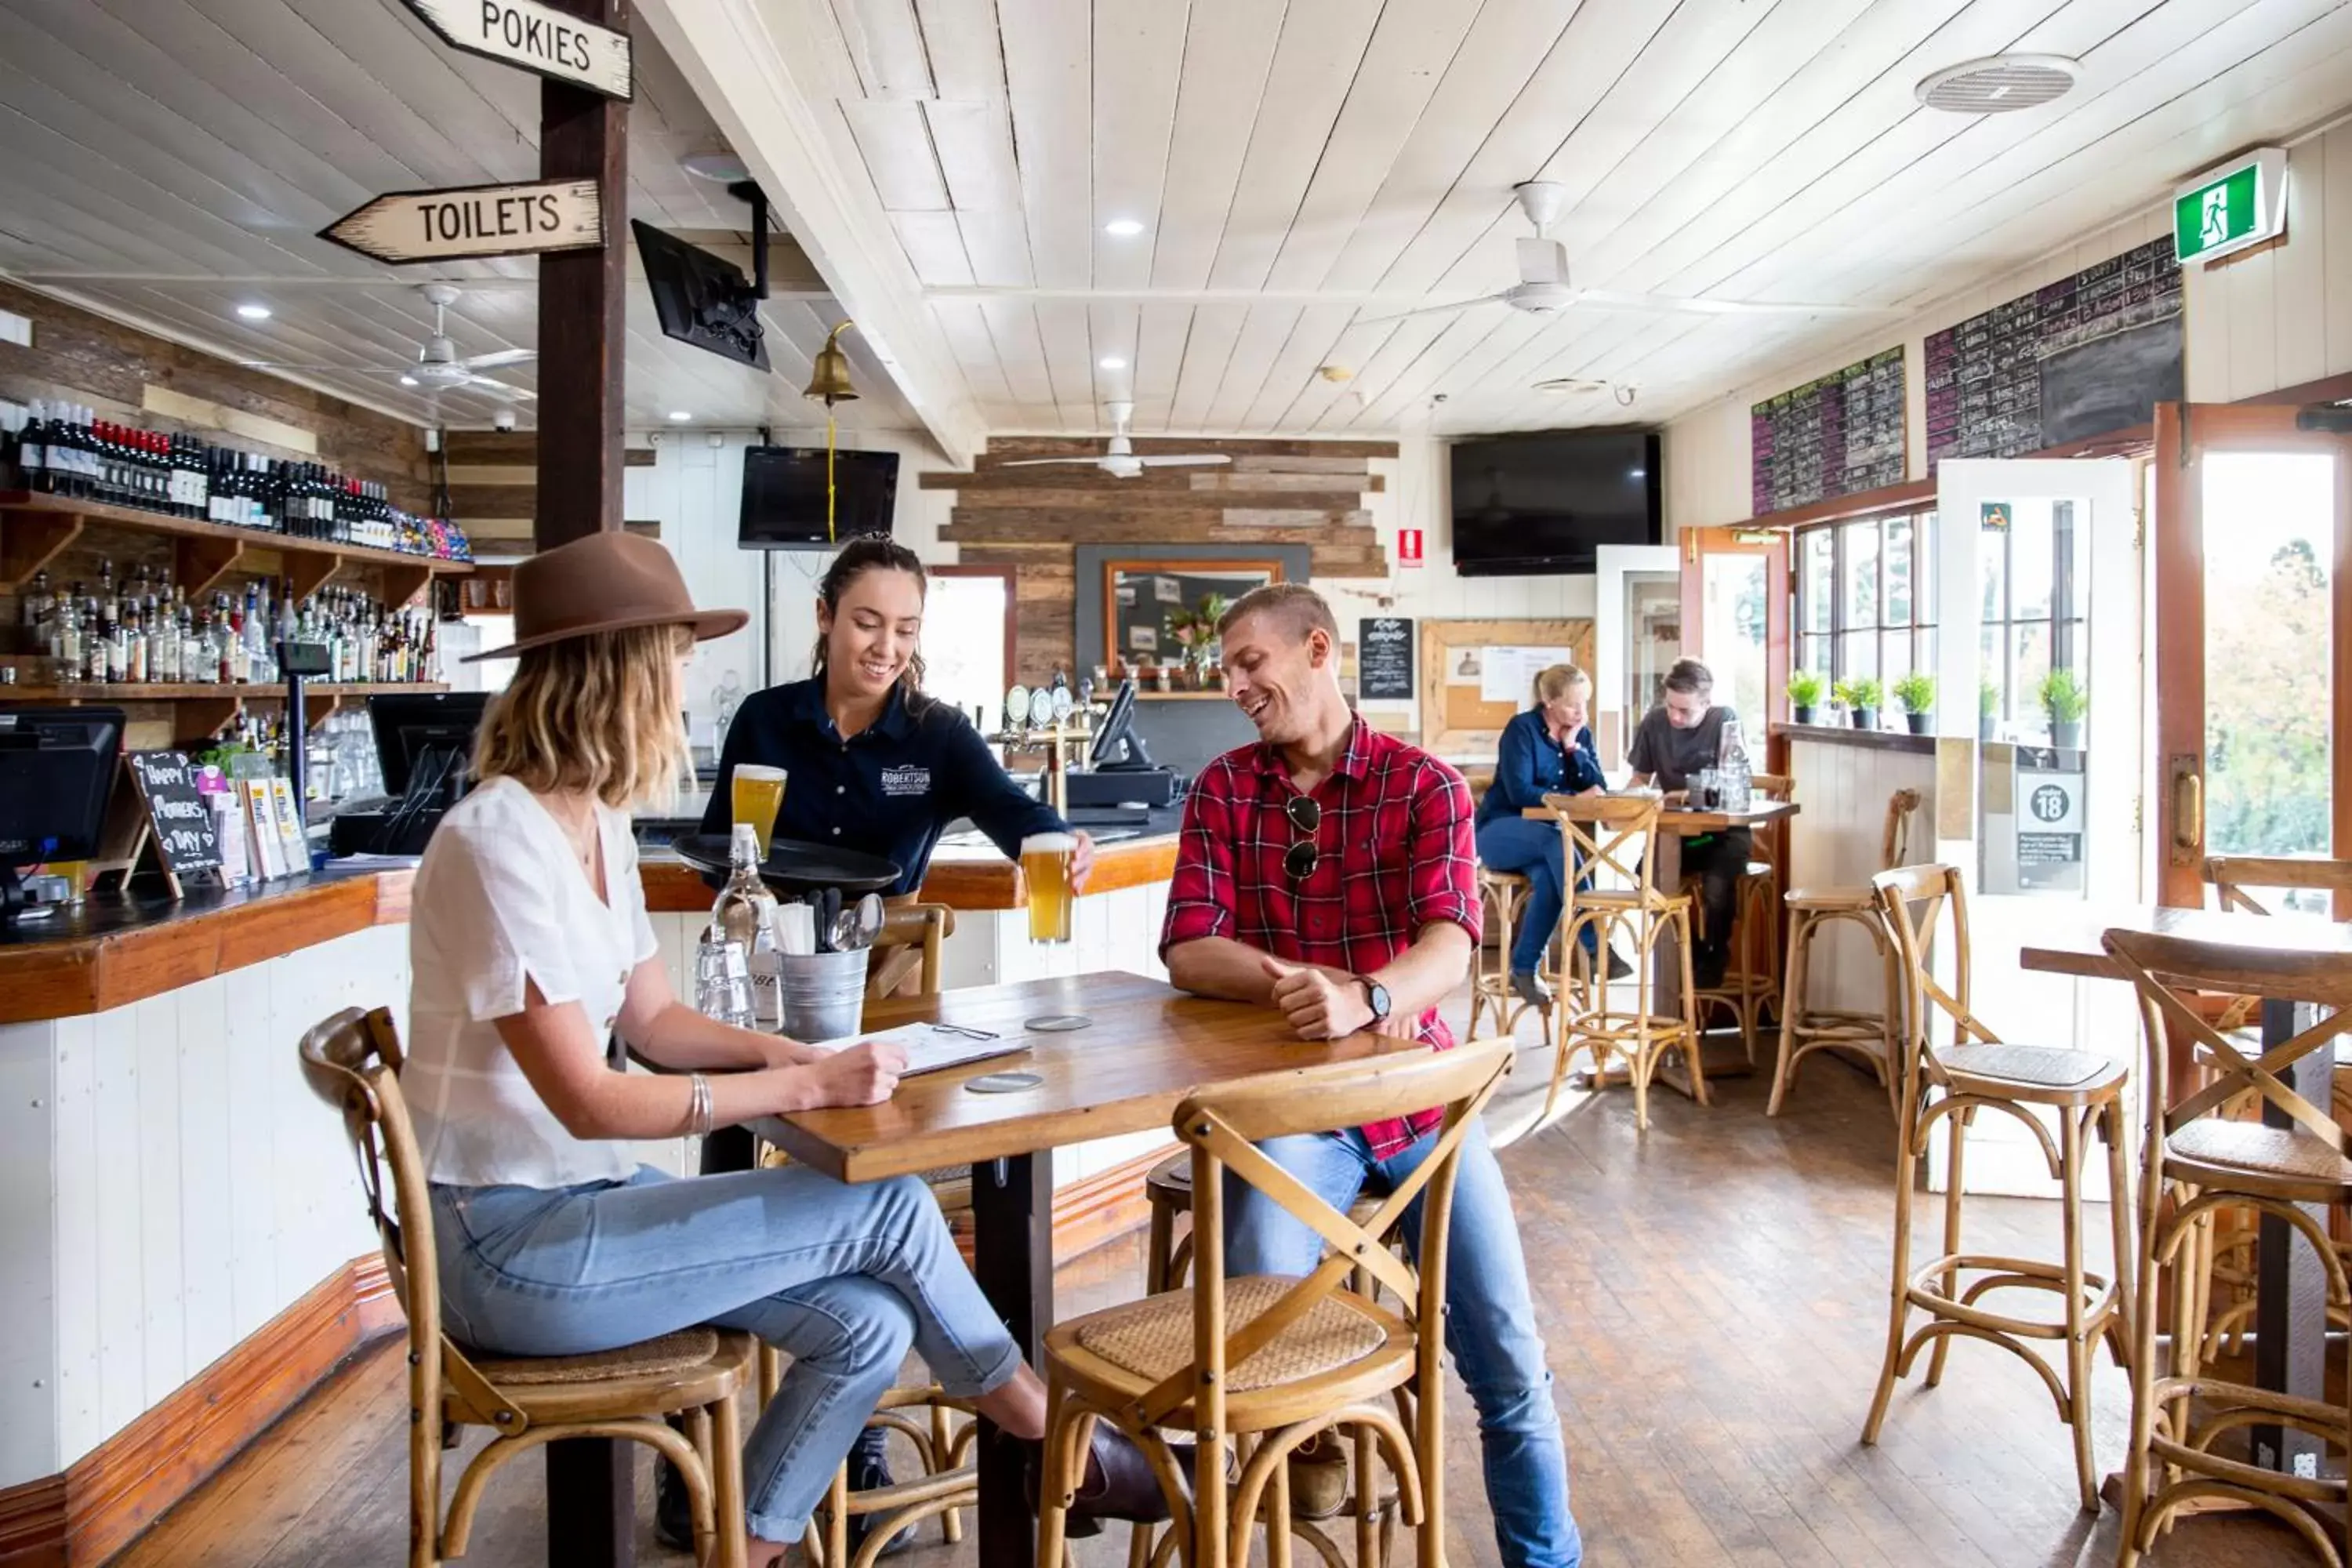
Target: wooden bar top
{"points": [[119, 950], [969, 882]]}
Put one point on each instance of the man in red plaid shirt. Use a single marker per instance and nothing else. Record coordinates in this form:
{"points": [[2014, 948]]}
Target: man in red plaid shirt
{"points": [[1330, 871]]}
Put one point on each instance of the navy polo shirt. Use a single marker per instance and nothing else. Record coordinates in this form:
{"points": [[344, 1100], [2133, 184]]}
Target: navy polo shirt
{"points": [[890, 790], [1531, 764]]}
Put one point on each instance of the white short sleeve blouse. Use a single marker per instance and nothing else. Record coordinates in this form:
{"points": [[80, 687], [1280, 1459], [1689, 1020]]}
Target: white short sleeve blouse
{"points": [[501, 900]]}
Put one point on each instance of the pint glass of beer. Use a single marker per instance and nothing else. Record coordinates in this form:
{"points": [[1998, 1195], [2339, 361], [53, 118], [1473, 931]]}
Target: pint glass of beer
{"points": [[759, 795], [1045, 866]]}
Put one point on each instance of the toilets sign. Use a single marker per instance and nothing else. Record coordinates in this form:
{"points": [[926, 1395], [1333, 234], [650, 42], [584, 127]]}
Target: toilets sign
{"points": [[2240, 203], [536, 37]]}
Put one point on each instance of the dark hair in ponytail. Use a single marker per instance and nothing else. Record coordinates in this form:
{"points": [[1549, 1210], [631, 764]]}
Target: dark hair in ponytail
{"points": [[872, 552]]}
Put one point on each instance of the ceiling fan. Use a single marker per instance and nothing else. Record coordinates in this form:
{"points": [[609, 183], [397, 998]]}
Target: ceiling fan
{"points": [[1120, 461], [439, 365], [1543, 287]]}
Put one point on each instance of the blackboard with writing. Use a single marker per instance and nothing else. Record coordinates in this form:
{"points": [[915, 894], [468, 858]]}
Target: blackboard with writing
{"points": [[1383, 658], [2080, 357], [183, 822], [1837, 435]]}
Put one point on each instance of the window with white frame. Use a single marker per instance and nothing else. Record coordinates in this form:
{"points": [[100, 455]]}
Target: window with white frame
{"points": [[1866, 598], [2028, 578]]}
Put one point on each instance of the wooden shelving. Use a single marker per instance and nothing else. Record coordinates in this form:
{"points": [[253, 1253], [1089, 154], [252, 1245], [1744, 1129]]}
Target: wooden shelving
{"points": [[207, 709], [35, 530]]}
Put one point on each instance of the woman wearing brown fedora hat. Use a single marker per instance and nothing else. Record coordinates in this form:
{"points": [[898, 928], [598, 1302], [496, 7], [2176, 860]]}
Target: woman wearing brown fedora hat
{"points": [[529, 943]]}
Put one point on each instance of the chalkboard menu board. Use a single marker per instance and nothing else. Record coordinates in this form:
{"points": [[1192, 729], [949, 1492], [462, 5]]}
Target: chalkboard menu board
{"points": [[2080, 357], [1383, 658], [1832, 437], [183, 823]]}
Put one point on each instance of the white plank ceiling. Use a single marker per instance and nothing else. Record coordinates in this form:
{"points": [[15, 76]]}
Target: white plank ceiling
{"points": [[1301, 166], [164, 160]]}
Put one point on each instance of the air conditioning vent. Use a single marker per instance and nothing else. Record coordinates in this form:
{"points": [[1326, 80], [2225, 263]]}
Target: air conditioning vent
{"points": [[2000, 84]]}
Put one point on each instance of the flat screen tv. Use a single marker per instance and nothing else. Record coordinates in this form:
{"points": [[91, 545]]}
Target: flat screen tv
{"points": [[783, 496], [701, 298], [1540, 504]]}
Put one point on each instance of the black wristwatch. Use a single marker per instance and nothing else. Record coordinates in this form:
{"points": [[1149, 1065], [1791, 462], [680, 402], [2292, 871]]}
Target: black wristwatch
{"points": [[1376, 995]]}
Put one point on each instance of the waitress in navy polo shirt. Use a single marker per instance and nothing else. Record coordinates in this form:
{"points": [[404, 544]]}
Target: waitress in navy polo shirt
{"points": [[1548, 750], [871, 765]]}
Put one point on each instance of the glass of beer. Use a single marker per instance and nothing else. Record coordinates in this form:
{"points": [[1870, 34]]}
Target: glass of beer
{"points": [[1045, 866], [759, 795]]}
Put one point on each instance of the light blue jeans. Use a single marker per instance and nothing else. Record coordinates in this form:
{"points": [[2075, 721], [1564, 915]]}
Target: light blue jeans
{"points": [[1535, 850], [842, 1279], [1490, 1326]]}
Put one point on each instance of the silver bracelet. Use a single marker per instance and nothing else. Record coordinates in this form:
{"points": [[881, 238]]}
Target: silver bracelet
{"points": [[698, 1113]]}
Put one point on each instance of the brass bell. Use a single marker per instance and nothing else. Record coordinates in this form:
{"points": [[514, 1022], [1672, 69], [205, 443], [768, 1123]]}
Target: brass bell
{"points": [[829, 377]]}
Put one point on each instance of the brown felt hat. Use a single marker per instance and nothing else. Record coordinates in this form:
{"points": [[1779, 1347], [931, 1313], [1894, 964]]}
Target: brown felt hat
{"points": [[604, 583]]}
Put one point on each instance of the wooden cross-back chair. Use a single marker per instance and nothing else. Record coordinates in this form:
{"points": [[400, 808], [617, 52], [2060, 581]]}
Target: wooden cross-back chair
{"points": [[1952, 1083], [1750, 984], [351, 1061], [907, 950], [1613, 845], [2225, 1253], [2195, 1162], [1272, 1358], [1874, 1036]]}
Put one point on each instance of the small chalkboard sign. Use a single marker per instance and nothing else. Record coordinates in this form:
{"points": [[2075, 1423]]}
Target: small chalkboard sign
{"points": [[176, 814], [1384, 658]]}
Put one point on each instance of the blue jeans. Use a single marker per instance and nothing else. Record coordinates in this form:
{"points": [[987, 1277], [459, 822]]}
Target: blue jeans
{"points": [[1490, 1327], [1535, 850], [842, 1279]]}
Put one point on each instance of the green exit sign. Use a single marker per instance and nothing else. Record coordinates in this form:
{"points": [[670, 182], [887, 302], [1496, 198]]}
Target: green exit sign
{"points": [[2241, 203]]}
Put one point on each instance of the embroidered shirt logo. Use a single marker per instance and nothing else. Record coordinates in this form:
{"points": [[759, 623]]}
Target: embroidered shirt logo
{"points": [[906, 781]]}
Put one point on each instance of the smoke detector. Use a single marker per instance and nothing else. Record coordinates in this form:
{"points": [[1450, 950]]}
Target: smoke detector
{"points": [[2000, 84]]}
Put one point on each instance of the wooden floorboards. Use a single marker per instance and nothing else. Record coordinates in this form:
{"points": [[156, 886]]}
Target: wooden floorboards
{"points": [[1712, 1297]]}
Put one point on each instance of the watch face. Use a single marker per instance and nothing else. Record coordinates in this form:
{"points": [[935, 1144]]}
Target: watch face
{"points": [[1016, 705], [1041, 706]]}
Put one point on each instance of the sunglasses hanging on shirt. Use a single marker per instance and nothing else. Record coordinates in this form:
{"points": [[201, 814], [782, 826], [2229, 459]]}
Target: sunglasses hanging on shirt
{"points": [[1306, 818]]}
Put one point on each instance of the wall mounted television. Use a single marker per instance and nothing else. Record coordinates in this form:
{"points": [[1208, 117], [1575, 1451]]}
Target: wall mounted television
{"points": [[1540, 504], [783, 496]]}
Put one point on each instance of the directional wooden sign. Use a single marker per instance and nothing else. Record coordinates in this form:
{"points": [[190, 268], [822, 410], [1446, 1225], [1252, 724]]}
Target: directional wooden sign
{"points": [[473, 221], [536, 37]]}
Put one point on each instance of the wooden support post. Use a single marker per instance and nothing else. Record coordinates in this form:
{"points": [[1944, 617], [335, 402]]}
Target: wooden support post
{"points": [[581, 298]]}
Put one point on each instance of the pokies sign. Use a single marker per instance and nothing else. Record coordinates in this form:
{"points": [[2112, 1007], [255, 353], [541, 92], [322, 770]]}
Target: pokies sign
{"points": [[536, 37]]}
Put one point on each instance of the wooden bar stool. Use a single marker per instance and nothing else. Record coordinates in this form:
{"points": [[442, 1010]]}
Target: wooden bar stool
{"points": [[1504, 893], [1952, 1083], [1874, 1036], [2194, 1163], [1270, 1361], [352, 1061], [1613, 838], [1749, 984]]}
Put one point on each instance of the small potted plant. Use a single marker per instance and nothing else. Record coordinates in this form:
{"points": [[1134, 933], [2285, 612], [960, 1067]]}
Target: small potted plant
{"points": [[1804, 690], [2064, 699], [1987, 710], [1861, 698], [1916, 693]]}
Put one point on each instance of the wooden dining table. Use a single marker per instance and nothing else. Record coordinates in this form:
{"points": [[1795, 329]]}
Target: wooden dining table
{"points": [[2290, 1300], [1677, 825], [1145, 1047]]}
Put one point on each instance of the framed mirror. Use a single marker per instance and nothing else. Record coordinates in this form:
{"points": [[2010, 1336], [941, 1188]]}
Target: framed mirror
{"points": [[1151, 606]]}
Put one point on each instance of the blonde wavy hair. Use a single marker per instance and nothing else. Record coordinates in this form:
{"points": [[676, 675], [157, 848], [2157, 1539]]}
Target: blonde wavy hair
{"points": [[596, 714]]}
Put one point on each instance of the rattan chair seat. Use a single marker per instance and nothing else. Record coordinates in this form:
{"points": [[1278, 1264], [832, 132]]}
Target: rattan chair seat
{"points": [[1630, 898], [1493, 878], [2281, 1153], [2029, 1067], [684, 1350], [1860, 900], [1153, 1337]]}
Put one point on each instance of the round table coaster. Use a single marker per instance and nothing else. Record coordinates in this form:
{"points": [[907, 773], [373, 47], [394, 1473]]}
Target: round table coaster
{"points": [[1057, 1022], [1002, 1083]]}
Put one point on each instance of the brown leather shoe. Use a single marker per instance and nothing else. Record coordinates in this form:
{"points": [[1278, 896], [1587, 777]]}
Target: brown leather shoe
{"points": [[1118, 1483]]}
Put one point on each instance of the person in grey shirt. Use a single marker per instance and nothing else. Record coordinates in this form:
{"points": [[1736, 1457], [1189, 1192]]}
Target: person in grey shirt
{"points": [[1674, 741]]}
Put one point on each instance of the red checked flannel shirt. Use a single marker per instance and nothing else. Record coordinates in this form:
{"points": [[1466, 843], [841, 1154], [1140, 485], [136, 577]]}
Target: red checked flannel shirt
{"points": [[1398, 853]]}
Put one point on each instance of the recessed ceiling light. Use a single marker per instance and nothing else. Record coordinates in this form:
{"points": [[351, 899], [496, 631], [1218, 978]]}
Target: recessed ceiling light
{"points": [[1123, 227], [408, 380], [1111, 361], [2000, 84], [1571, 387], [254, 312], [680, 416], [723, 168]]}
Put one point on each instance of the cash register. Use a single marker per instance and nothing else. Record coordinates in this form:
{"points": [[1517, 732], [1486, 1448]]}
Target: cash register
{"points": [[1120, 776], [424, 741], [57, 770]]}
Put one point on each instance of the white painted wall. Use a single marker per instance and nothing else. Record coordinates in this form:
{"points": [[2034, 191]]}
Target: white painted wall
{"points": [[2254, 325]]}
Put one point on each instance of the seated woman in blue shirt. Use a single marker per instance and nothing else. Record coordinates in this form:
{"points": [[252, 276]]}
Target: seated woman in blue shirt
{"points": [[1548, 750], [871, 765]]}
